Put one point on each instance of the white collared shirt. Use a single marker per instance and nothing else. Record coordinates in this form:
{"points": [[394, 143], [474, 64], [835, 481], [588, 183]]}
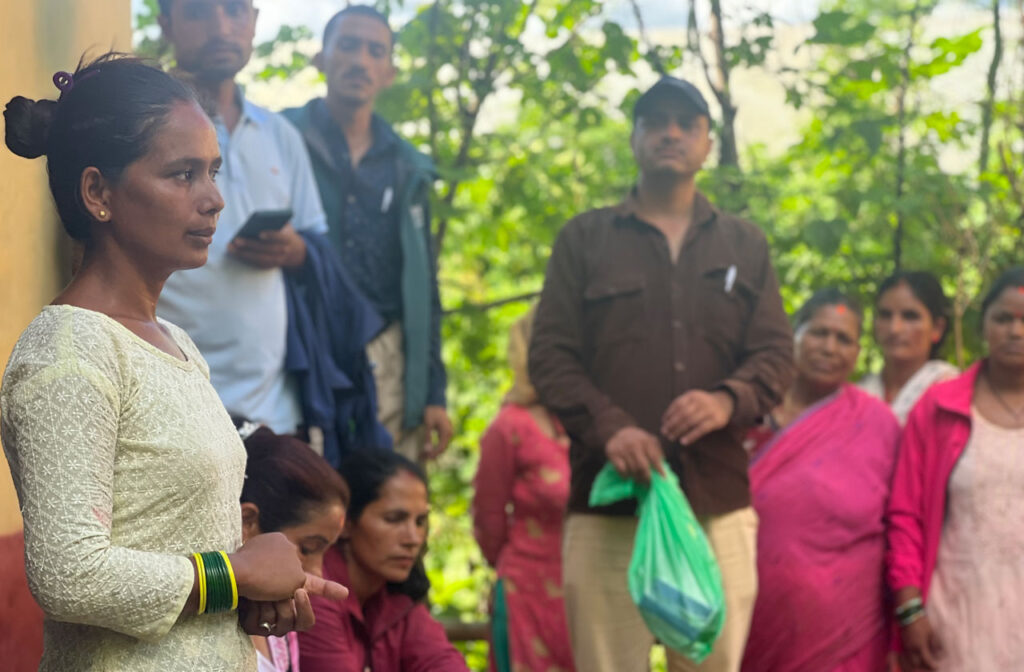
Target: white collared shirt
{"points": [[236, 313]]}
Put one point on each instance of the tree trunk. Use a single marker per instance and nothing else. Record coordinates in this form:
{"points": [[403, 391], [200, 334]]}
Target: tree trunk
{"points": [[901, 151], [728, 152], [990, 89]]}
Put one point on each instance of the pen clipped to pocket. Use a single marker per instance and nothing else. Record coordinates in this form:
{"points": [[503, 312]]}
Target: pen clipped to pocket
{"points": [[730, 278]]}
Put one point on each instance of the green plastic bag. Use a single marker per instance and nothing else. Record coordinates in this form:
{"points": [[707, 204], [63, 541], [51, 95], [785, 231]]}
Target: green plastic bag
{"points": [[674, 578]]}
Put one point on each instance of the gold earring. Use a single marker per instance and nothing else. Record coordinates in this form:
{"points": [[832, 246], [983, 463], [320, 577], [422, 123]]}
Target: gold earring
{"points": [[103, 213]]}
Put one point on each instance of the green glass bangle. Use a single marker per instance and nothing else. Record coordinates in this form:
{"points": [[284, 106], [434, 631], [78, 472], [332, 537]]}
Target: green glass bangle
{"points": [[230, 587], [223, 586], [911, 614], [212, 580], [214, 600], [908, 606], [218, 579]]}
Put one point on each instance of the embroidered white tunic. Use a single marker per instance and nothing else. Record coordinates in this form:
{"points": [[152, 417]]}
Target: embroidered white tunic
{"points": [[125, 462]]}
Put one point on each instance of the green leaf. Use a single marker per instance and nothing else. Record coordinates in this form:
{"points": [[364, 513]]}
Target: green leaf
{"points": [[841, 28]]}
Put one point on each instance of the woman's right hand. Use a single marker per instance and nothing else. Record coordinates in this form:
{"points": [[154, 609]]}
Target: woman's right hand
{"points": [[267, 568], [922, 649], [287, 615]]}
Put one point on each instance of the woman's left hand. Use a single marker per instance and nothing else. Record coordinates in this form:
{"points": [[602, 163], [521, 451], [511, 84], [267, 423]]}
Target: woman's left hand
{"points": [[284, 616]]}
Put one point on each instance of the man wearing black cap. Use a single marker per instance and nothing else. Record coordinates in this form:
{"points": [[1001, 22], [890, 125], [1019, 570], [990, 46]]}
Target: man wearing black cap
{"points": [[660, 335]]}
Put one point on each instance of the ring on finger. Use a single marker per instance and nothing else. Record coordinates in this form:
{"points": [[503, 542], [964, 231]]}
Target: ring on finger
{"points": [[267, 627]]}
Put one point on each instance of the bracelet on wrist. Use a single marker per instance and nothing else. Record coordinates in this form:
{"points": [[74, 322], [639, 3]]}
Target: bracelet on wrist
{"points": [[218, 589], [911, 617], [909, 611], [908, 605]]}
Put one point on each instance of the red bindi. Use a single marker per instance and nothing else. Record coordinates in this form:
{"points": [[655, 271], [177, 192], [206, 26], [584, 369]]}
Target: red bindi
{"points": [[840, 308], [1020, 290]]}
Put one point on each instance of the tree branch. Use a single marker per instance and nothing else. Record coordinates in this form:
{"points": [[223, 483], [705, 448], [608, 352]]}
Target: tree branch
{"points": [[431, 105], [468, 307], [901, 152], [990, 90], [693, 44], [483, 86], [652, 54], [728, 151]]}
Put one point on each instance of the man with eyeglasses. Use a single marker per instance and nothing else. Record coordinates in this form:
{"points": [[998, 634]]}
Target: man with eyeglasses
{"points": [[375, 188]]}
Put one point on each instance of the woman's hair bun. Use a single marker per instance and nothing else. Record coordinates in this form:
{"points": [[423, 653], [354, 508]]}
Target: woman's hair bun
{"points": [[27, 125]]}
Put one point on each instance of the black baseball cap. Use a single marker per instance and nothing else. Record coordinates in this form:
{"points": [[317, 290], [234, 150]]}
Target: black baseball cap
{"points": [[668, 88]]}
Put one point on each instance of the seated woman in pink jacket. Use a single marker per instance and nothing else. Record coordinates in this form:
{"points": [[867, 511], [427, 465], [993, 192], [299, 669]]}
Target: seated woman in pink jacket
{"points": [[384, 625], [956, 515]]}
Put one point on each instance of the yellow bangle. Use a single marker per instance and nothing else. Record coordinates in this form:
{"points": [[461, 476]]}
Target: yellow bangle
{"points": [[201, 571], [234, 583]]}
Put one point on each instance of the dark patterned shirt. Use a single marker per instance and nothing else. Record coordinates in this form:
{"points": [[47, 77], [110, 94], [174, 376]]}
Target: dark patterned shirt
{"points": [[367, 235]]}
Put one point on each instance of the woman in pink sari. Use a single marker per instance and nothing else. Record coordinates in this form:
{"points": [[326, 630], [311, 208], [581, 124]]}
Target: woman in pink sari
{"points": [[820, 480]]}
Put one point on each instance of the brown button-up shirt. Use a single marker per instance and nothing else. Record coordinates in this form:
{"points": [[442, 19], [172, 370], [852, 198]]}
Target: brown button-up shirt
{"points": [[621, 331]]}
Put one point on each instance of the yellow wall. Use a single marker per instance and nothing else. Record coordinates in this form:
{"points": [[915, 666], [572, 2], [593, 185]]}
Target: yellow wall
{"points": [[37, 38]]}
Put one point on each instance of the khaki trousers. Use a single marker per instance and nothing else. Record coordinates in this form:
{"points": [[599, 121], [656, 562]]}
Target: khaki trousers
{"points": [[387, 357], [608, 634]]}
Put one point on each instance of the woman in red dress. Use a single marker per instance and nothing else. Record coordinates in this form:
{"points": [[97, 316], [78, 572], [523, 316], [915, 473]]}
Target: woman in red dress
{"points": [[522, 485]]}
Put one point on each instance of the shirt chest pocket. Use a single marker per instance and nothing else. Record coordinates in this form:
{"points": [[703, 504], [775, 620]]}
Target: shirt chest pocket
{"points": [[614, 308], [264, 174], [726, 302]]}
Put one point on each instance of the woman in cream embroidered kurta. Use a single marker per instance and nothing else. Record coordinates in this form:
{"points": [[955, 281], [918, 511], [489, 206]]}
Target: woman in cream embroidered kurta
{"points": [[125, 462], [124, 459]]}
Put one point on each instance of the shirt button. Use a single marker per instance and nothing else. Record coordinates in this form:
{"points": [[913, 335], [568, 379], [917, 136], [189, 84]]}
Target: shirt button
{"points": [[679, 366], [350, 243], [351, 198], [678, 324]]}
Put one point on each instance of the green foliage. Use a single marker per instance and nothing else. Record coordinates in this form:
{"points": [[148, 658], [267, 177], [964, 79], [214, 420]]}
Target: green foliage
{"points": [[841, 28], [754, 44], [870, 171], [284, 55], [147, 38]]}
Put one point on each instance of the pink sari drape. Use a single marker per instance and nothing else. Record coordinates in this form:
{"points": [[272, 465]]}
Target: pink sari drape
{"points": [[820, 488]]}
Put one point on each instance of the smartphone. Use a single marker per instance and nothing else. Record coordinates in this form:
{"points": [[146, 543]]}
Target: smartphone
{"points": [[264, 220]]}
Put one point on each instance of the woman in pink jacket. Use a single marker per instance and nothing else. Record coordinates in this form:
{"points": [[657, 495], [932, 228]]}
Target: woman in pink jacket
{"points": [[956, 515], [384, 625]]}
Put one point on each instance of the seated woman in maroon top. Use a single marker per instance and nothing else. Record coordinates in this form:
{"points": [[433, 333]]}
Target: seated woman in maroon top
{"points": [[383, 626]]}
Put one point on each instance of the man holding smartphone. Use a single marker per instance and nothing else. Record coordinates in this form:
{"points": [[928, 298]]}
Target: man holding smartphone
{"points": [[375, 188], [234, 307]]}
